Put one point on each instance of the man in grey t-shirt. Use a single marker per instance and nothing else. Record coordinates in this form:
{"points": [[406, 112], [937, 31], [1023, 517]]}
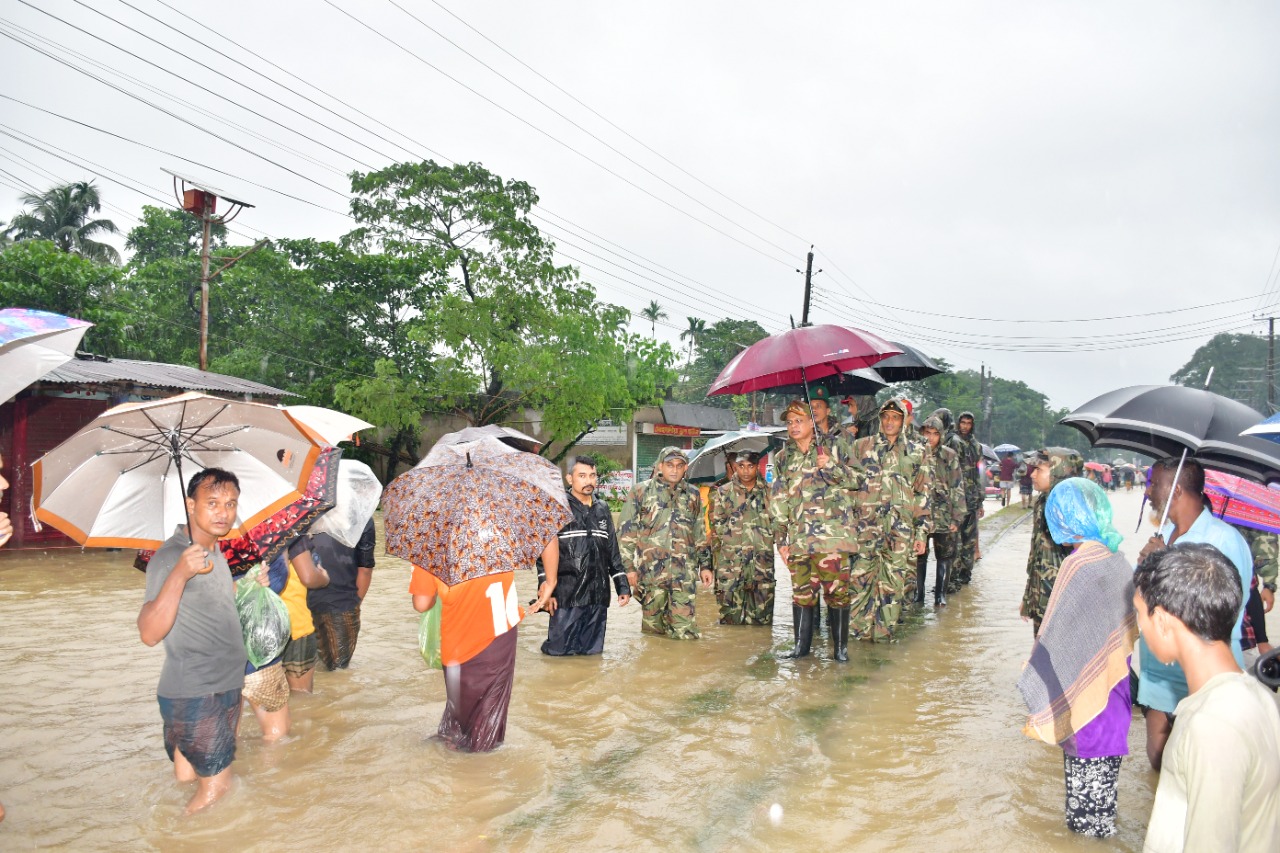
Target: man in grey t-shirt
{"points": [[190, 605]]}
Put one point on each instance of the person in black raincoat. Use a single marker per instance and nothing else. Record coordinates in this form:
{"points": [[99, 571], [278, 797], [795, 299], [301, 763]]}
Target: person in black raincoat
{"points": [[589, 560]]}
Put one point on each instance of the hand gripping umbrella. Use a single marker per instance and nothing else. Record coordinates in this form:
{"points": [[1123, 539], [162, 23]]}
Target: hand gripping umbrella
{"points": [[474, 509], [119, 482], [798, 356], [32, 343]]}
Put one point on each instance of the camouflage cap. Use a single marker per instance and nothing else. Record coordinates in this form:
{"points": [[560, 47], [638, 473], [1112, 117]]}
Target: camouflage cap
{"points": [[670, 452], [742, 456], [797, 407]]}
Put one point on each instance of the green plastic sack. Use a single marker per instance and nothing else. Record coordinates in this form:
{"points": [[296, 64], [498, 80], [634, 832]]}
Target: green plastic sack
{"points": [[264, 619], [429, 636]]}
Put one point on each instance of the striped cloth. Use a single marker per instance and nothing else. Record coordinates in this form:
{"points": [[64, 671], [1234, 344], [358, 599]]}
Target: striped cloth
{"points": [[1084, 644]]}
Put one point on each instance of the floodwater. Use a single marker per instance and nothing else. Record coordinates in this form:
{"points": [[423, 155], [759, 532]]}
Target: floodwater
{"points": [[656, 745]]}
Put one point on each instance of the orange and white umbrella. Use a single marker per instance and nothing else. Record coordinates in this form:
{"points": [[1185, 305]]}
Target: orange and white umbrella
{"points": [[120, 482], [328, 426]]}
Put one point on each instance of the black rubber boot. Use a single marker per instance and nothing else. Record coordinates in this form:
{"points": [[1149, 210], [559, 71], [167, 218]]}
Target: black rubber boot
{"points": [[831, 623], [840, 624], [922, 569], [940, 583], [803, 618]]}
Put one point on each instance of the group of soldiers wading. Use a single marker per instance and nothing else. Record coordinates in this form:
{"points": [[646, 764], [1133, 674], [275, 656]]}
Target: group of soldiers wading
{"points": [[850, 516]]}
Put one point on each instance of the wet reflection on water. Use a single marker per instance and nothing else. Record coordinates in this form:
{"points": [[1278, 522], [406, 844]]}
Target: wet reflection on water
{"points": [[655, 745]]}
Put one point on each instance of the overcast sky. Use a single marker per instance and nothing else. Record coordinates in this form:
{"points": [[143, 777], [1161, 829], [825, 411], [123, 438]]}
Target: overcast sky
{"points": [[966, 171]]}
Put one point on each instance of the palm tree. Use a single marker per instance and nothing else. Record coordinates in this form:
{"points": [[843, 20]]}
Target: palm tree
{"points": [[61, 215], [696, 328], [653, 314]]}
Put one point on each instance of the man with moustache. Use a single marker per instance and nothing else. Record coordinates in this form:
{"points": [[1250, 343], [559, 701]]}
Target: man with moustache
{"points": [[190, 605], [589, 561]]}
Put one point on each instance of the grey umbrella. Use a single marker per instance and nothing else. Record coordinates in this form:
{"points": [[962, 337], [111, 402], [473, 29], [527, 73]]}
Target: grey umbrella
{"points": [[1165, 420], [908, 367], [708, 465]]}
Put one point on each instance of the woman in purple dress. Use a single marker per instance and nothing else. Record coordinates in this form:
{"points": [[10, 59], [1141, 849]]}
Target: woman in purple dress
{"points": [[1076, 684]]}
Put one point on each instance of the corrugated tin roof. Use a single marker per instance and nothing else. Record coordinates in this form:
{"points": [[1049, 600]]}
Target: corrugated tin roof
{"points": [[706, 417], [156, 374]]}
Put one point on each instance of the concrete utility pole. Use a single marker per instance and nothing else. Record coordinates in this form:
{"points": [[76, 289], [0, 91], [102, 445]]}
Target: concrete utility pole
{"points": [[808, 288], [1271, 364], [201, 201], [986, 402]]}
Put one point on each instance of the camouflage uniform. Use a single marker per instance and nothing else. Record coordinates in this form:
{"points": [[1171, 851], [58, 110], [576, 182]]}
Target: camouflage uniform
{"points": [[742, 550], [947, 506], [970, 452], [1046, 555], [893, 515], [1265, 548], [811, 510], [663, 540]]}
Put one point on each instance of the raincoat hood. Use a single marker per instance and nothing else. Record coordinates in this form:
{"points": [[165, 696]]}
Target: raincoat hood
{"points": [[944, 416], [968, 415], [934, 422], [1064, 463]]}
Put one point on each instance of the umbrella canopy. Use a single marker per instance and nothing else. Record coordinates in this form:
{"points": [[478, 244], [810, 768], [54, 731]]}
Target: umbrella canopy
{"points": [[1165, 420], [1238, 501], [32, 343], [989, 453], [506, 435], [1268, 429], [851, 383], [265, 540], [358, 494], [120, 482], [1008, 448], [709, 463], [475, 509], [799, 356], [327, 425], [1096, 466], [910, 366]]}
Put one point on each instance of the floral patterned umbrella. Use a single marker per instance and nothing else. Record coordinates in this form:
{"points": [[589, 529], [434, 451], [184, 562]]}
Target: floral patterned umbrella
{"points": [[32, 343], [474, 509]]}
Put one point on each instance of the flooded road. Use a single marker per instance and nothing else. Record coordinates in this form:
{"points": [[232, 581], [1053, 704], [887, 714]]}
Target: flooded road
{"points": [[656, 745]]}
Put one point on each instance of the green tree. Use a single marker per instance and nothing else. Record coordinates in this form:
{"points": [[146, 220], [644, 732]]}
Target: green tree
{"points": [[653, 313], [511, 330], [716, 346], [697, 327], [62, 215], [1239, 369], [168, 234], [37, 274]]}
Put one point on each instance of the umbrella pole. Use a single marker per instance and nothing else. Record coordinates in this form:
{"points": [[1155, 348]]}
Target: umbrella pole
{"points": [[817, 434], [1164, 516], [176, 454]]}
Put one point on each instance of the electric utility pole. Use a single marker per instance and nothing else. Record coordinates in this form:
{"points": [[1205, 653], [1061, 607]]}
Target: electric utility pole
{"points": [[808, 288], [1271, 364], [201, 201]]}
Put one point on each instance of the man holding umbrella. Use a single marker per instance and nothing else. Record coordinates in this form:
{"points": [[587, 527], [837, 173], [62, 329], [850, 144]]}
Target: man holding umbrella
{"points": [[812, 512], [190, 605], [664, 547], [742, 544], [893, 523]]}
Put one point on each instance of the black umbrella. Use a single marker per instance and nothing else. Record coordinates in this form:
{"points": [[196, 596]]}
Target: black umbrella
{"points": [[908, 367], [1165, 420], [855, 383]]}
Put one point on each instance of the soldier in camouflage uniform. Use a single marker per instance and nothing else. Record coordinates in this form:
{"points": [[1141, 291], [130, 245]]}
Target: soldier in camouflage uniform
{"points": [[1048, 468], [1265, 550], [828, 424], [970, 450], [742, 544], [947, 508], [893, 523], [664, 547], [811, 509]]}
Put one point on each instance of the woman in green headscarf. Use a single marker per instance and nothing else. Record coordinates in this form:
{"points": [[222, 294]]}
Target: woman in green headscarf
{"points": [[1076, 684]]}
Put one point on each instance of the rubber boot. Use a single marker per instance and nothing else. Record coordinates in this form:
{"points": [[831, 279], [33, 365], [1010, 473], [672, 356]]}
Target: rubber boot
{"points": [[940, 583], [831, 623], [922, 569], [803, 619], [841, 632]]}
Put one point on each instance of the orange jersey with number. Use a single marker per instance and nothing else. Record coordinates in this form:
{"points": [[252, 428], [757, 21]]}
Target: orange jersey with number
{"points": [[473, 613]]}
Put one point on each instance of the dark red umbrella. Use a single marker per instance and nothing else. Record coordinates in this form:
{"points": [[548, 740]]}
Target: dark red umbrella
{"points": [[800, 356]]}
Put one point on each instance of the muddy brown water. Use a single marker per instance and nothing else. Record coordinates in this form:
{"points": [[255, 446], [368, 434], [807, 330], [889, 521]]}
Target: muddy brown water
{"points": [[655, 745]]}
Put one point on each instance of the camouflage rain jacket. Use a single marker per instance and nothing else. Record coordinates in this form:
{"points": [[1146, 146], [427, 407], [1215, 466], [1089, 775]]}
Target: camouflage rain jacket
{"points": [[741, 529], [662, 531], [1265, 548], [812, 508], [1046, 555], [947, 504], [897, 491], [970, 452]]}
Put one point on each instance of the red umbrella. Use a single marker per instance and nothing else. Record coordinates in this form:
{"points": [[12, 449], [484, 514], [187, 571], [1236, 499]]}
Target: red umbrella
{"points": [[1239, 501], [799, 356]]}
